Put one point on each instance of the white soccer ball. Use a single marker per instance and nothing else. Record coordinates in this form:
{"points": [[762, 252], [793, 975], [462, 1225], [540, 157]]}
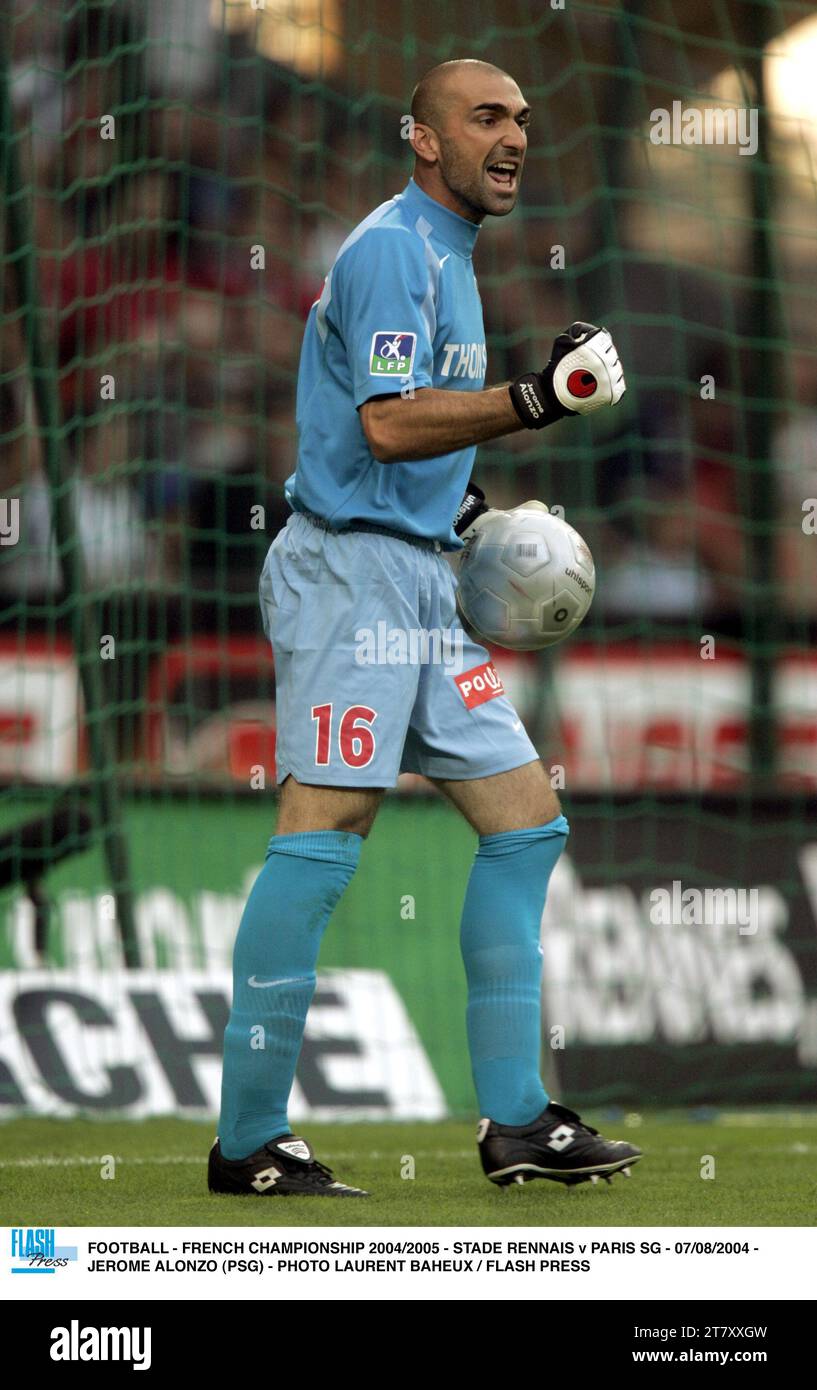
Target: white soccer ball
{"points": [[525, 579]]}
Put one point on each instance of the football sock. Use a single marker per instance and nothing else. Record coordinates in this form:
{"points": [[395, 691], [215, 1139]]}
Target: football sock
{"points": [[499, 939], [274, 960]]}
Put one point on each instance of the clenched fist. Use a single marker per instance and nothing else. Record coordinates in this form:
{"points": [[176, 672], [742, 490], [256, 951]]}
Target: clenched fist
{"points": [[584, 373]]}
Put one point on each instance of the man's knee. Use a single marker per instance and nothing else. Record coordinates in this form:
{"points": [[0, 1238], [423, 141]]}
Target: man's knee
{"points": [[304, 808], [541, 804], [515, 800]]}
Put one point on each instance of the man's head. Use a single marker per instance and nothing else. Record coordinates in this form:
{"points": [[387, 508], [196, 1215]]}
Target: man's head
{"points": [[468, 118]]}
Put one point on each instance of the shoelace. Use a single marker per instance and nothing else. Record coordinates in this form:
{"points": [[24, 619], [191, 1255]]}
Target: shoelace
{"points": [[312, 1167], [325, 1173], [572, 1118]]}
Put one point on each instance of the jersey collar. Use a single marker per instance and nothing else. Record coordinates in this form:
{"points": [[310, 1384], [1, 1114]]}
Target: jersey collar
{"points": [[452, 229]]}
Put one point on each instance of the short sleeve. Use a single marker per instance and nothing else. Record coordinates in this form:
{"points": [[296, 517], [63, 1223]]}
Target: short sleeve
{"points": [[387, 316]]}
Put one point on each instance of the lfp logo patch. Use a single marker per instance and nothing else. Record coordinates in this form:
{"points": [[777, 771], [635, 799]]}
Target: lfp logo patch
{"points": [[392, 354]]}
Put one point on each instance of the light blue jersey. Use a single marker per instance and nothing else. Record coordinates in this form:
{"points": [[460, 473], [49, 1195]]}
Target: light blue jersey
{"points": [[400, 309]]}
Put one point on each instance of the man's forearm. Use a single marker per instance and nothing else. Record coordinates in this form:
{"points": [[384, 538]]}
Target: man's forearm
{"points": [[436, 422]]}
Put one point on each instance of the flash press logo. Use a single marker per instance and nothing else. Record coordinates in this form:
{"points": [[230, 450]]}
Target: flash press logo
{"points": [[34, 1250], [714, 125], [75, 1343]]}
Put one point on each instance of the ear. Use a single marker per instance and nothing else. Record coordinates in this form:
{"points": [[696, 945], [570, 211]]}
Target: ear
{"points": [[425, 143]]}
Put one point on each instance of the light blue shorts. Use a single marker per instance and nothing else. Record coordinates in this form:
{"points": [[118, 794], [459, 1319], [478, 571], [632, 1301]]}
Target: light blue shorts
{"points": [[374, 673]]}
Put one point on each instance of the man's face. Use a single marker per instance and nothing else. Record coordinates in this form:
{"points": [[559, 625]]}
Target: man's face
{"points": [[482, 145]]}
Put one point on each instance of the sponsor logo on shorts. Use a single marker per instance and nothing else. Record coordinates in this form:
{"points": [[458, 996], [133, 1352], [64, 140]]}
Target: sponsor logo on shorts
{"points": [[392, 353], [479, 684]]}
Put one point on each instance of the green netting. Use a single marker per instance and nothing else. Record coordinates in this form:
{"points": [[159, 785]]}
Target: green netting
{"points": [[177, 179]]}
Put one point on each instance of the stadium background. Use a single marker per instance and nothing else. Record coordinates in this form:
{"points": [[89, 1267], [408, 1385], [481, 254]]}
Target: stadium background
{"points": [[177, 178]]}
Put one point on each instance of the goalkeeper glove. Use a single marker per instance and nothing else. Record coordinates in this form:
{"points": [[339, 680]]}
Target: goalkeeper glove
{"points": [[473, 508], [583, 374], [472, 505]]}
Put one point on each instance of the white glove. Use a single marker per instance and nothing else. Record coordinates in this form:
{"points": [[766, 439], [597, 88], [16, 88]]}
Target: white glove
{"points": [[584, 373]]}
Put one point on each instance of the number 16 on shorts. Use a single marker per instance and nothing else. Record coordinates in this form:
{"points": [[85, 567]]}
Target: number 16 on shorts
{"points": [[353, 731]]}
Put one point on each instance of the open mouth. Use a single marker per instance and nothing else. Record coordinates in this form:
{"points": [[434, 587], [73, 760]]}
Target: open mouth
{"points": [[503, 174]]}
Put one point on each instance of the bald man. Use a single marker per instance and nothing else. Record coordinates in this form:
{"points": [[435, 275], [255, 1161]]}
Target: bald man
{"points": [[391, 404]]}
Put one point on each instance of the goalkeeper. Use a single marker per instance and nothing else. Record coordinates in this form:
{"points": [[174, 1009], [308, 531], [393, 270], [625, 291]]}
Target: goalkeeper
{"points": [[391, 403]]}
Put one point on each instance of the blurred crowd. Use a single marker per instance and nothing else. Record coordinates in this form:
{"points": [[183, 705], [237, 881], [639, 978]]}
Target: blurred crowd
{"points": [[176, 264]]}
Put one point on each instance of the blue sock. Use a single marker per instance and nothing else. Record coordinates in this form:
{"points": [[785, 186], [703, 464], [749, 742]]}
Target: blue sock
{"points": [[277, 949], [499, 938]]}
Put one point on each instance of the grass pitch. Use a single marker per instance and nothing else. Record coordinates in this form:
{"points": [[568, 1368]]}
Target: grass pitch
{"points": [[764, 1175]]}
